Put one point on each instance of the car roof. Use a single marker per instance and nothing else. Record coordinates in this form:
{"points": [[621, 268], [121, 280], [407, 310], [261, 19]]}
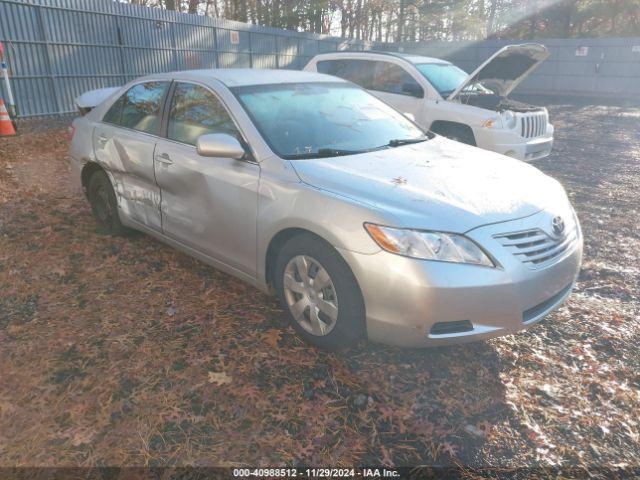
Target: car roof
{"points": [[409, 57], [239, 77]]}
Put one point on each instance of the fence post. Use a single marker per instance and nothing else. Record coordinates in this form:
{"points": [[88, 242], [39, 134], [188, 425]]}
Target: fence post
{"points": [[250, 52], [215, 46], [172, 25], [49, 59], [123, 63]]}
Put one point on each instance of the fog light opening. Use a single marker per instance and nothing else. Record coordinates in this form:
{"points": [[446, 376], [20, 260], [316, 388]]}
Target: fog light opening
{"points": [[445, 328]]}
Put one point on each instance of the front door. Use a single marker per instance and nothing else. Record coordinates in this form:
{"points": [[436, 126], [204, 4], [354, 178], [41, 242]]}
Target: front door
{"points": [[209, 204], [124, 143]]}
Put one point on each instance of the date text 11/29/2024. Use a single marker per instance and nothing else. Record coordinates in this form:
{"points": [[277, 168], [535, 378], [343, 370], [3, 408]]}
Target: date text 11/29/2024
{"points": [[317, 472]]}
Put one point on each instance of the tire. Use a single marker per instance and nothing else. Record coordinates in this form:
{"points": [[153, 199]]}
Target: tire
{"points": [[330, 330], [104, 205]]}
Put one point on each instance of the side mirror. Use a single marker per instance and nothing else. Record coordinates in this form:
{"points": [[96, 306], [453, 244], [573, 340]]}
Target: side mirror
{"points": [[219, 145], [412, 89]]}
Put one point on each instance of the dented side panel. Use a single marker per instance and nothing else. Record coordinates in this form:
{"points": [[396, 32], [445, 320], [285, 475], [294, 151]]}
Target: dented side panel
{"points": [[209, 204], [128, 156]]}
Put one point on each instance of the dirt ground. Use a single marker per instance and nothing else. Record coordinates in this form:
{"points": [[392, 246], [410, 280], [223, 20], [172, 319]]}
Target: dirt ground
{"points": [[122, 351]]}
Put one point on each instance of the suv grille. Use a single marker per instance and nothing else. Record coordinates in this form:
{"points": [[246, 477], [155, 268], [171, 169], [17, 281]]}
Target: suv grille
{"points": [[535, 248], [533, 125]]}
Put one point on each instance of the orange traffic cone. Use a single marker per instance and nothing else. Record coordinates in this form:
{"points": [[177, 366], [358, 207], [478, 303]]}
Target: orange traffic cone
{"points": [[6, 126]]}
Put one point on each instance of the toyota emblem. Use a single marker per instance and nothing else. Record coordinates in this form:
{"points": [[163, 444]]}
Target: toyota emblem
{"points": [[558, 225]]}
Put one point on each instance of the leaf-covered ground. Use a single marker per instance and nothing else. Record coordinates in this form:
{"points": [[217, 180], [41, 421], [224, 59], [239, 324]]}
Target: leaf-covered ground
{"points": [[121, 351]]}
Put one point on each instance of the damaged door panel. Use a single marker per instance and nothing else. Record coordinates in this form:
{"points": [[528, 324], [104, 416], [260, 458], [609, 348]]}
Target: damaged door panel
{"points": [[208, 203], [124, 144]]}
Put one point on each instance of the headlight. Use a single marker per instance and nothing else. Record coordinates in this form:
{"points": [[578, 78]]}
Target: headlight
{"points": [[446, 247], [508, 119]]}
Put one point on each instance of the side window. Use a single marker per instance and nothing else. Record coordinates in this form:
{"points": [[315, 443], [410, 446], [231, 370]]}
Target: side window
{"points": [[392, 78], [139, 108], [114, 114], [359, 72], [196, 111]]}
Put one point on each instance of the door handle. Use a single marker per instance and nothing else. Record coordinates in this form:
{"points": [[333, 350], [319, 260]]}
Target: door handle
{"points": [[164, 158]]}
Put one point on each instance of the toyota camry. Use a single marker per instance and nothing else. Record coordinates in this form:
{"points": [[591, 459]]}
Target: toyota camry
{"points": [[306, 185]]}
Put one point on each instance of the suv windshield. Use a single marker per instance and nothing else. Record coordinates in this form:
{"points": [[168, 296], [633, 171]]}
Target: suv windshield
{"points": [[312, 120], [446, 77]]}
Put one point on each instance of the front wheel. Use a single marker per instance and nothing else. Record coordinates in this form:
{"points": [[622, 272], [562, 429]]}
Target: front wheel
{"points": [[319, 293]]}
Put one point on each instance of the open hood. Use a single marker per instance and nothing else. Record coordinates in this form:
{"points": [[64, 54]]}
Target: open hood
{"points": [[504, 70]]}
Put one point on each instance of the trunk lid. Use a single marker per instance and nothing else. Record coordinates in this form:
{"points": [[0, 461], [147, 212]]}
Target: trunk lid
{"points": [[89, 100]]}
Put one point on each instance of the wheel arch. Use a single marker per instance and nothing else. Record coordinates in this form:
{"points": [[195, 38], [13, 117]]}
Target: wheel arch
{"points": [[275, 245], [441, 127], [87, 171]]}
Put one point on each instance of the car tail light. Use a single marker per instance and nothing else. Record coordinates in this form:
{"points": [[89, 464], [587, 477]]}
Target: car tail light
{"points": [[71, 132]]}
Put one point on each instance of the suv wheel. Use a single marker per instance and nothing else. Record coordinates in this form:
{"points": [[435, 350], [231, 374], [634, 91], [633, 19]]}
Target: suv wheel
{"points": [[319, 293]]}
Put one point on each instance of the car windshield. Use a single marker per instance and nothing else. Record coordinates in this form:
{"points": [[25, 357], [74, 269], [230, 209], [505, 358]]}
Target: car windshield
{"points": [[312, 120], [446, 77]]}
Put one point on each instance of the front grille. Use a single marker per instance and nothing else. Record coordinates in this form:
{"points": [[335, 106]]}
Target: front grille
{"points": [[533, 125], [535, 248]]}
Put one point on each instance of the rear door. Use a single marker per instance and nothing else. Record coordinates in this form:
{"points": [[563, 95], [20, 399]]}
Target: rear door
{"points": [[386, 80], [124, 143], [208, 204], [394, 85]]}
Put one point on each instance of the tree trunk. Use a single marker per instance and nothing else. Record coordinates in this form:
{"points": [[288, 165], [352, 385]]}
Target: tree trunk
{"points": [[401, 17]]}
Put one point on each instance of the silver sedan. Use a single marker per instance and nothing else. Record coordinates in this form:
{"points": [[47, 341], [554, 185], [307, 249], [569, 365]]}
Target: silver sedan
{"points": [[362, 223]]}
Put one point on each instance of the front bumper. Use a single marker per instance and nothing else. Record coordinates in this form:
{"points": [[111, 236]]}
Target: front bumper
{"points": [[405, 298], [511, 144]]}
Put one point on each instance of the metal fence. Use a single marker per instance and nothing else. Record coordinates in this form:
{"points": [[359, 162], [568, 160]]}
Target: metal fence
{"points": [[592, 67], [57, 49]]}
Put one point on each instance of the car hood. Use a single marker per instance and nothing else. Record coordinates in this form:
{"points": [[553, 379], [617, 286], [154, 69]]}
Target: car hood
{"points": [[438, 184], [505, 69]]}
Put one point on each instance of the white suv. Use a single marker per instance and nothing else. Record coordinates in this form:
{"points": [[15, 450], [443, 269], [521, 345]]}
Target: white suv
{"points": [[473, 109]]}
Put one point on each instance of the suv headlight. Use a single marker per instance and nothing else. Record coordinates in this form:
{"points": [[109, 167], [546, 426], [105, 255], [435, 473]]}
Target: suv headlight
{"points": [[508, 119], [425, 245]]}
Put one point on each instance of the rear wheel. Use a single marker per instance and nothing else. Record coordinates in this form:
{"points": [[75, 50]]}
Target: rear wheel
{"points": [[104, 205], [319, 293]]}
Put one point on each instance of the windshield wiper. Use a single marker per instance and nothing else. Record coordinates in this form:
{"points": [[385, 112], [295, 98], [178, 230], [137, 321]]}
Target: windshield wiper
{"points": [[324, 153], [397, 142]]}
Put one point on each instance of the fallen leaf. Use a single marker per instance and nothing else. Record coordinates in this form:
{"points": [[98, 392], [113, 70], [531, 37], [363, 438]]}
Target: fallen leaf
{"points": [[219, 378]]}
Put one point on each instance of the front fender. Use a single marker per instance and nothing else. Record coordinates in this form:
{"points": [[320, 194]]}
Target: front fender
{"points": [[293, 204]]}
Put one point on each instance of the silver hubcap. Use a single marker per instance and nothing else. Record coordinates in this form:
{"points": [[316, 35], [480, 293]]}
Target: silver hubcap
{"points": [[310, 295]]}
